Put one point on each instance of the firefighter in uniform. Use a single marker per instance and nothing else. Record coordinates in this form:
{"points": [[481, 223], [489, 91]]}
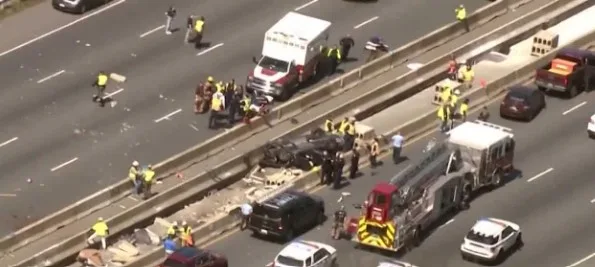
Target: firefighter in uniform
{"points": [[346, 44], [334, 56], [173, 230], [186, 235], [199, 25], [461, 15], [217, 107], [464, 109], [349, 134], [354, 164], [326, 168], [339, 221], [339, 164], [235, 105], [329, 126], [100, 83], [374, 152], [148, 176]]}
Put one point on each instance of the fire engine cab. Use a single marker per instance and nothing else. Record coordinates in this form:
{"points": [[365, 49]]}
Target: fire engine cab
{"points": [[291, 54], [398, 212]]}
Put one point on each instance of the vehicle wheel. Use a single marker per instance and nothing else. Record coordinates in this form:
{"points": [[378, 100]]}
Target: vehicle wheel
{"points": [[416, 237], [334, 263], [83, 9], [572, 92], [320, 217], [519, 241], [286, 95], [497, 179]]}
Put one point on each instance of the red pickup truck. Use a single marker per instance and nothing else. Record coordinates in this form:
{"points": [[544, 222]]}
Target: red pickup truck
{"points": [[566, 72]]}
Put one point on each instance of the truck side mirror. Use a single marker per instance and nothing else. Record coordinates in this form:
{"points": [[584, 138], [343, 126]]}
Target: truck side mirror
{"points": [[254, 60]]}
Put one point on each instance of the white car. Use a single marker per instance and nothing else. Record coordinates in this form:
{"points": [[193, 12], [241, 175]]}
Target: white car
{"points": [[394, 263], [591, 127], [490, 239], [305, 254]]}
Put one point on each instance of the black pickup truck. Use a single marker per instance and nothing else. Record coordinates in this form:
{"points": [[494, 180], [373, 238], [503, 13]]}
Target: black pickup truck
{"points": [[566, 72]]}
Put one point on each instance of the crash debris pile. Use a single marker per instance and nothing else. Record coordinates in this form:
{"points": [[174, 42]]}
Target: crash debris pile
{"points": [[214, 207]]}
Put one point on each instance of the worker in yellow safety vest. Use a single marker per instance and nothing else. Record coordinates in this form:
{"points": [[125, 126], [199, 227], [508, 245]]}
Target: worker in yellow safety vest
{"points": [[329, 126], [467, 75], [445, 94], [101, 231], [461, 15], [342, 125], [148, 176], [217, 106], [186, 235], [334, 55], [349, 131], [443, 113], [454, 98], [464, 109], [100, 83], [173, 230], [199, 25], [374, 152], [134, 174]]}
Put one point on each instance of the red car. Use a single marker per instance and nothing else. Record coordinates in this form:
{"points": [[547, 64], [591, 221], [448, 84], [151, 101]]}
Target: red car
{"points": [[194, 257], [522, 102]]}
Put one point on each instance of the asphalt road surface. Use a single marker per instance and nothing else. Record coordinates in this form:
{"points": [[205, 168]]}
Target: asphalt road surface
{"points": [[69, 147], [551, 199]]}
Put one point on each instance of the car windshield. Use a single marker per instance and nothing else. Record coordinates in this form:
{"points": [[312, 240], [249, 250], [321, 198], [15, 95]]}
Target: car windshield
{"points": [[173, 263], [263, 210], [273, 64], [516, 96], [287, 261], [483, 239]]}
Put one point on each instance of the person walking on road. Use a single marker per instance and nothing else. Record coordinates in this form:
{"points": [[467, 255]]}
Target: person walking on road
{"points": [[100, 231], [374, 152], [464, 109], [199, 25], [186, 235], [334, 56], [338, 170], [148, 181], [100, 83], [217, 107], [461, 15], [326, 168], [246, 210], [354, 164], [189, 25], [346, 44], [170, 14], [397, 144], [134, 174]]}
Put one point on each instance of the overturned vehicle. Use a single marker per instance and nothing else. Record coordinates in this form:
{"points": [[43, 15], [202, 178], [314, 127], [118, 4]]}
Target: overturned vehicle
{"points": [[302, 153]]}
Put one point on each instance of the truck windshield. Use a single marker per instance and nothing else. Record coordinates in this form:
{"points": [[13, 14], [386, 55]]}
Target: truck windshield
{"points": [[273, 64], [287, 261]]}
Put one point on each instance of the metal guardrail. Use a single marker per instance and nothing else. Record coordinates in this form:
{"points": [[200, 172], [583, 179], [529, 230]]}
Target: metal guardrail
{"points": [[220, 143], [375, 98]]}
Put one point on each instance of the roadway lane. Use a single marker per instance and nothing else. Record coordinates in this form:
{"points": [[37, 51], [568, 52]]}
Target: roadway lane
{"points": [[553, 208], [55, 122]]}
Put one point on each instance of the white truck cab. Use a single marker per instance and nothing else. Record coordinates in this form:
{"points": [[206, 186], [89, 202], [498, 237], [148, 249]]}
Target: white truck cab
{"points": [[291, 53]]}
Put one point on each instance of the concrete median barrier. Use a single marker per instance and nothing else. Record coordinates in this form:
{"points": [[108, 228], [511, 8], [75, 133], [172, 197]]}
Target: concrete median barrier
{"points": [[224, 141]]}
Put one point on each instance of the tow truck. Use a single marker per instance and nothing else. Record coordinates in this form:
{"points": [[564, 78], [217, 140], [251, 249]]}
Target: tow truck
{"points": [[398, 213], [291, 55]]}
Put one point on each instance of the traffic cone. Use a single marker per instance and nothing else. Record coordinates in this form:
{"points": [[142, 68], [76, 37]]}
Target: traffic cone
{"points": [[482, 83]]}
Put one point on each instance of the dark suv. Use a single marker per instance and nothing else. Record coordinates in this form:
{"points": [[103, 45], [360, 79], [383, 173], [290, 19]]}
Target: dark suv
{"points": [[285, 214]]}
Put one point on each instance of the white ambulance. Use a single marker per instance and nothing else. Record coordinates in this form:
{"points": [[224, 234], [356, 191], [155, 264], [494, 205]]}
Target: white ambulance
{"points": [[290, 55]]}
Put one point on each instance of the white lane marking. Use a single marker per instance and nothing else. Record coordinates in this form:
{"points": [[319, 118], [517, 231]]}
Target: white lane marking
{"points": [[539, 175], [7, 195], [122, 206], [114, 92], [193, 127], [305, 5], [592, 201], [365, 22], [446, 223], [9, 141], [579, 262], [130, 197], [151, 31], [166, 117], [64, 164], [99, 11], [575, 107], [51, 76], [210, 49], [269, 264]]}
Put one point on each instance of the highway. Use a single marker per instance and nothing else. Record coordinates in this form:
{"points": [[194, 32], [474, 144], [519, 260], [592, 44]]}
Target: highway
{"points": [[551, 199], [69, 148]]}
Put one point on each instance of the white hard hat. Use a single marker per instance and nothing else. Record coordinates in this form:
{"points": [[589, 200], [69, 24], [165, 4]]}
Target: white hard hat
{"points": [[100, 219], [184, 223], [135, 163], [457, 92], [175, 223]]}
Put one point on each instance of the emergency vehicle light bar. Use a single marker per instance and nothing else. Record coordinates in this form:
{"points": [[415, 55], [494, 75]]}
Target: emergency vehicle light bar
{"points": [[495, 126]]}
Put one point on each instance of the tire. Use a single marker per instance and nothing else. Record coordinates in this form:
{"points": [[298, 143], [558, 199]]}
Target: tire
{"points": [[497, 179], [416, 237], [573, 91], [83, 9]]}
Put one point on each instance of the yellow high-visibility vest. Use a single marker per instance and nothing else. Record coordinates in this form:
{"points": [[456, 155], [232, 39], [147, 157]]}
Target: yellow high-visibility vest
{"points": [[461, 13], [172, 230], [445, 94], [330, 53], [328, 126], [216, 103], [100, 229], [440, 113], [468, 75], [132, 173], [102, 79], [343, 125], [453, 100], [247, 102], [463, 109], [199, 25], [149, 174], [350, 129]]}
